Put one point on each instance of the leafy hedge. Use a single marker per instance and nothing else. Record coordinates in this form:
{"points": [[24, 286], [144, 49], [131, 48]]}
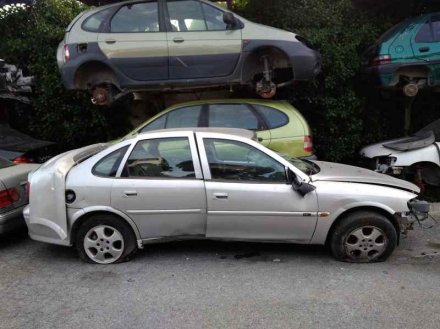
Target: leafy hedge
{"points": [[30, 37]]}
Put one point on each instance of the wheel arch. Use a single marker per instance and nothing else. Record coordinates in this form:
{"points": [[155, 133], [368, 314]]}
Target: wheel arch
{"points": [[252, 64], [81, 217], [390, 216], [94, 72], [412, 72]]}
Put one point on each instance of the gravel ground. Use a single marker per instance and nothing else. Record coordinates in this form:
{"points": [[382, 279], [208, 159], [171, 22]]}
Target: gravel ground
{"points": [[202, 284]]}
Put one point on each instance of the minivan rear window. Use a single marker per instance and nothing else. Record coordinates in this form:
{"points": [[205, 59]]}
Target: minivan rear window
{"points": [[93, 23]]}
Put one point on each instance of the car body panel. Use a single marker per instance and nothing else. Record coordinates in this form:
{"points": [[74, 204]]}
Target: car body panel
{"points": [[171, 208]]}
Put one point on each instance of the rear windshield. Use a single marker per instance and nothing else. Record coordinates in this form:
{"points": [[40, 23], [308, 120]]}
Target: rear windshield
{"points": [[5, 163]]}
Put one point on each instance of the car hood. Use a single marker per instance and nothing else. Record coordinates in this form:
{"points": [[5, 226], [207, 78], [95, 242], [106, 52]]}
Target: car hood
{"points": [[378, 149], [337, 172]]}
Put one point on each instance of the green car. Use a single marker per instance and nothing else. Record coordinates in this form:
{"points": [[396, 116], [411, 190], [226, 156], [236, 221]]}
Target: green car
{"points": [[407, 56], [278, 125]]}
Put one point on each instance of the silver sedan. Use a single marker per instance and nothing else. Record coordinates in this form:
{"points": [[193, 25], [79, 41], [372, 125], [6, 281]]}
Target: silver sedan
{"points": [[111, 200]]}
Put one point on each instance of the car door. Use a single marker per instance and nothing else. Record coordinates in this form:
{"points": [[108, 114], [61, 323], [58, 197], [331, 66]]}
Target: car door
{"points": [[160, 186], [248, 197], [199, 42], [134, 40], [426, 45], [238, 116]]}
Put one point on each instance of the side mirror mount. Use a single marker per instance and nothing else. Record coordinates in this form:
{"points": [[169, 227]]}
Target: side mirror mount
{"points": [[230, 20], [298, 185]]}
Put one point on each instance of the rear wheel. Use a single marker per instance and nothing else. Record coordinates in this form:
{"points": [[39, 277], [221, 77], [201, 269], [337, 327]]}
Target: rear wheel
{"points": [[105, 239], [363, 237]]}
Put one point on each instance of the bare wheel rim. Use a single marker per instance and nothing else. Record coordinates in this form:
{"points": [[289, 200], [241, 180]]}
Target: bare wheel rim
{"points": [[365, 243], [104, 244]]}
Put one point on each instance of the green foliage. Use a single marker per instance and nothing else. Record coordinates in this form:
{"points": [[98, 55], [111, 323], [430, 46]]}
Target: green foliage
{"points": [[30, 37], [340, 32]]}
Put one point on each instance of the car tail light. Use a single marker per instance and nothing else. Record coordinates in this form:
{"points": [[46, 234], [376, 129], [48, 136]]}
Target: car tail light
{"points": [[27, 190], [8, 197], [66, 53], [22, 159], [381, 60], [308, 144]]}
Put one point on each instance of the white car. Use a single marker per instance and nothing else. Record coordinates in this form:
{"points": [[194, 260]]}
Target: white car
{"points": [[416, 158], [195, 183]]}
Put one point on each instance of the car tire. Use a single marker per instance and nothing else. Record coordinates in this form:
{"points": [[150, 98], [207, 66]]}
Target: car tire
{"points": [[105, 239], [363, 237]]}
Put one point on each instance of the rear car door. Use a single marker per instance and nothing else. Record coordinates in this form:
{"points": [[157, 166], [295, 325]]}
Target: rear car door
{"points": [[199, 42], [248, 197], [134, 41], [242, 116], [160, 186], [426, 45]]}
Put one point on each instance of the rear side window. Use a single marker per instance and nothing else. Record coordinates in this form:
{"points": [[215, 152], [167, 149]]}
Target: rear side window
{"points": [[108, 166], [93, 23], [138, 17], [157, 124], [232, 116], [273, 118], [186, 117], [430, 31]]}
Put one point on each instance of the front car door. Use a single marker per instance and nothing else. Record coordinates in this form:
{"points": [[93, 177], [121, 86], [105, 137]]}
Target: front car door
{"points": [[134, 41], [160, 186], [247, 194], [200, 44]]}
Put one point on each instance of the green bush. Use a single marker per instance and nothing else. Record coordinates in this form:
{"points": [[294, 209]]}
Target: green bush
{"points": [[340, 32], [30, 37]]}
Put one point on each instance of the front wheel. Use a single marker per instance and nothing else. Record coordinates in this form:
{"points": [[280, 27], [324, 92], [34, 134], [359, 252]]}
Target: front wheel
{"points": [[105, 239], [363, 237]]}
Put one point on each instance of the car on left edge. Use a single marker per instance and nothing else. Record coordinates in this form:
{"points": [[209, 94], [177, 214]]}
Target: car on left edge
{"points": [[108, 200], [13, 193]]}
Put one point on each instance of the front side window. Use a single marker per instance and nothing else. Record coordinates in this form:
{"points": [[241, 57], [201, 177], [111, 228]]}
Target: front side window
{"points": [[93, 23], [237, 161], [214, 18], [232, 116], [108, 166], [186, 16], [138, 17], [185, 117], [160, 158]]}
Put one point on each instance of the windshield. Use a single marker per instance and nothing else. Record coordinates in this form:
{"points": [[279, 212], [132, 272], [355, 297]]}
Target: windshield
{"points": [[306, 166], [5, 163]]}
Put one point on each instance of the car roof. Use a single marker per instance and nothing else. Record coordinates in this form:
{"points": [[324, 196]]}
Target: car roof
{"points": [[231, 101], [249, 134]]}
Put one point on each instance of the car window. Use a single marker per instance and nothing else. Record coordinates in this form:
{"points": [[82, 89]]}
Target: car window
{"points": [[5, 163], [186, 16], [93, 23], [184, 117], [138, 17], [108, 166], [157, 124], [435, 23], [237, 161], [424, 34], [232, 116], [214, 18], [161, 158], [274, 118]]}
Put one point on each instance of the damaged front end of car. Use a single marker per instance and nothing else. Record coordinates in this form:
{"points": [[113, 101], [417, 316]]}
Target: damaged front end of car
{"points": [[418, 212]]}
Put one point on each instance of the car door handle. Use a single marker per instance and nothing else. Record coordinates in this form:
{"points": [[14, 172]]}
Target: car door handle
{"points": [[424, 49], [178, 40], [127, 194], [110, 41], [221, 196]]}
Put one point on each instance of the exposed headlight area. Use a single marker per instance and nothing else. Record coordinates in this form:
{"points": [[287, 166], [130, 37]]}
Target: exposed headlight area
{"points": [[386, 165]]}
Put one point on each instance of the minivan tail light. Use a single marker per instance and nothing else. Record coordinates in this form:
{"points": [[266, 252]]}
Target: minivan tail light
{"points": [[382, 60], [22, 159], [308, 144], [8, 197], [66, 53]]}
